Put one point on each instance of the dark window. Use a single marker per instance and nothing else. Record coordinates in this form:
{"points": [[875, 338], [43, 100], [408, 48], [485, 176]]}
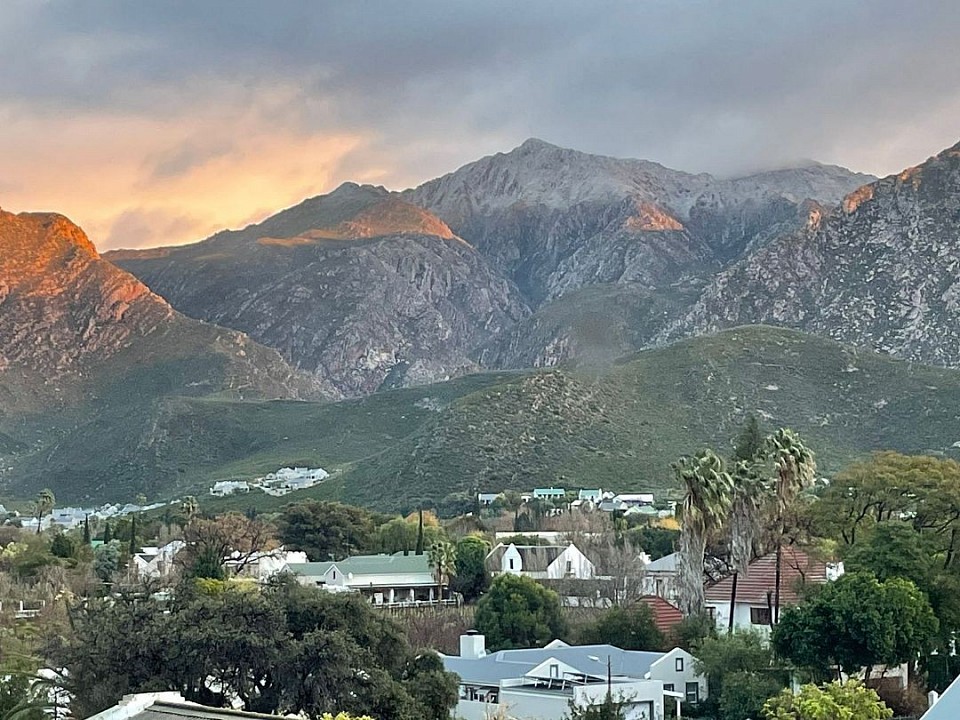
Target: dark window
{"points": [[693, 692], [678, 665], [668, 687], [554, 671], [760, 615], [511, 563]]}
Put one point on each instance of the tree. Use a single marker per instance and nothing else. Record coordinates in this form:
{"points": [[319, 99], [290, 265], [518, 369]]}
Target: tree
{"points": [[856, 622], [132, 548], [833, 701], [62, 546], [43, 505], [629, 628], [86, 530], [232, 536], [749, 445], [470, 578], [285, 649], [326, 530], [443, 559], [420, 534], [749, 493], [609, 709], [106, 560], [189, 507], [517, 612], [795, 467], [740, 671], [707, 489], [107, 533]]}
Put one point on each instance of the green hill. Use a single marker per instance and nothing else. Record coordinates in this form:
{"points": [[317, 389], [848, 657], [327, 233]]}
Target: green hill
{"points": [[620, 429]]}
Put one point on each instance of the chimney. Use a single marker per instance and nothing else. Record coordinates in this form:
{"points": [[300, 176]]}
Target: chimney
{"points": [[473, 645]]}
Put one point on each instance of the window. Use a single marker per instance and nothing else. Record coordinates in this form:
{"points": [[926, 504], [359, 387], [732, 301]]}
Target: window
{"points": [[569, 566], [511, 563], [693, 692], [678, 664], [760, 615], [554, 670], [668, 687]]}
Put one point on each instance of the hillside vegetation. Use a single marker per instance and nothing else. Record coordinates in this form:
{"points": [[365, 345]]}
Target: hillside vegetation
{"points": [[617, 429]]}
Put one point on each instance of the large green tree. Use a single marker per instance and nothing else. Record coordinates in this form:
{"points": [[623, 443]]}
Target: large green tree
{"points": [[856, 622], [833, 701], [283, 649], [741, 674], [629, 628], [518, 612], [471, 578], [326, 530]]}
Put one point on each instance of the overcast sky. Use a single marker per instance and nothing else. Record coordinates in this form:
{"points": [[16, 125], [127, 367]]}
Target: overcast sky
{"points": [[161, 122]]}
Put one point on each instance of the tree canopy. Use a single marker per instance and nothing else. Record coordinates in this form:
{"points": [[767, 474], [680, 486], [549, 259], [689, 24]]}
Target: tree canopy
{"points": [[285, 649], [856, 622], [833, 701], [518, 612]]}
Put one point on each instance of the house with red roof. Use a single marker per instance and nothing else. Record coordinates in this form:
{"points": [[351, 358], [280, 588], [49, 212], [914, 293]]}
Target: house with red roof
{"points": [[665, 616], [756, 588]]}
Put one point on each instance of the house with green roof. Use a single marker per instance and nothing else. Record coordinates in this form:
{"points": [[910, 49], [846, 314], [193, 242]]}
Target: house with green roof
{"points": [[385, 580]]}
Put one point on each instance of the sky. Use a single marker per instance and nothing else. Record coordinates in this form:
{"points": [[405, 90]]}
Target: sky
{"points": [[160, 123]]}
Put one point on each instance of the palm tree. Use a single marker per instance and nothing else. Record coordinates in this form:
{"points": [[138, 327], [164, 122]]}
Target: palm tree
{"points": [[708, 488], [43, 505], [189, 507], [443, 560], [796, 467], [749, 495]]}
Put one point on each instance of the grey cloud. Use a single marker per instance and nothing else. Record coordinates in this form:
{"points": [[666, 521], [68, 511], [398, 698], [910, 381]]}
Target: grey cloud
{"points": [[139, 227], [699, 85], [185, 157]]}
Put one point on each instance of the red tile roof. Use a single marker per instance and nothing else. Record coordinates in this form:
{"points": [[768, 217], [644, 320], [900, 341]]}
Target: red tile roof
{"points": [[797, 569], [665, 615]]}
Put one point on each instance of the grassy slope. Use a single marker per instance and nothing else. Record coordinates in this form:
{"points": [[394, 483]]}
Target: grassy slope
{"points": [[620, 429]]}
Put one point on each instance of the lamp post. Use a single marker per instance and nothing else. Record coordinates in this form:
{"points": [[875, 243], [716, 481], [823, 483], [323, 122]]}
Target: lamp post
{"points": [[609, 675]]}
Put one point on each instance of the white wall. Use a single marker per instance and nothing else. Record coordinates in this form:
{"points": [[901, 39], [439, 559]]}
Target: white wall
{"points": [[580, 567], [741, 617], [665, 670]]}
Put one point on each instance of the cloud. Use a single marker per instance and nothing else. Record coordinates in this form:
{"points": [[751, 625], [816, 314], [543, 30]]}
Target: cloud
{"points": [[141, 227], [396, 93]]}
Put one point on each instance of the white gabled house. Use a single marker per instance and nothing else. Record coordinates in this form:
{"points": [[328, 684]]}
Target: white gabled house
{"points": [[540, 562], [394, 580], [157, 562], [541, 683]]}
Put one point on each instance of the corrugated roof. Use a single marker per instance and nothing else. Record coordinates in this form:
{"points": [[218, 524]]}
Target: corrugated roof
{"points": [[797, 569], [948, 706], [367, 565], [507, 664], [668, 563]]}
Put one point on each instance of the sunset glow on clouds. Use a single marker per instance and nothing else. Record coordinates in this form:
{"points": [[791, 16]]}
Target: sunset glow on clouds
{"points": [[161, 123]]}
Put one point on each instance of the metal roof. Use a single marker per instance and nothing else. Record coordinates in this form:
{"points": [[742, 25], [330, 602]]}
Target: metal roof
{"points": [[948, 706], [397, 563], [508, 664]]}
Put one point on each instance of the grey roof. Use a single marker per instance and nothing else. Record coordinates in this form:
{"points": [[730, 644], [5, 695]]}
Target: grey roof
{"points": [[506, 664], [145, 707], [668, 563], [948, 706], [535, 558]]}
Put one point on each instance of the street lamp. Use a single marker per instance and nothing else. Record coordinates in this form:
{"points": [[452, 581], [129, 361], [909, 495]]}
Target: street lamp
{"points": [[609, 676]]}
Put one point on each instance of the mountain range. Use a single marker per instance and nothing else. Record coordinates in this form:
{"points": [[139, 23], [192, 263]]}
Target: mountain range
{"points": [[542, 257]]}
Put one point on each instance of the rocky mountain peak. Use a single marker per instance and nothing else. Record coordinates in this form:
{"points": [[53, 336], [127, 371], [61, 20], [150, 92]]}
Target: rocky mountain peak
{"points": [[33, 243]]}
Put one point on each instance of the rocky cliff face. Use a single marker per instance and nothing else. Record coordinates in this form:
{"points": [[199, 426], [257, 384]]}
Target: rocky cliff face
{"points": [[881, 270], [356, 286], [69, 320]]}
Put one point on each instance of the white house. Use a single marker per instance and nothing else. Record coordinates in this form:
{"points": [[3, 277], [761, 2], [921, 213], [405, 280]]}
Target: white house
{"points": [[229, 487], [550, 493], [157, 562], [264, 565], [488, 499], [756, 588], [398, 579], [635, 499], [540, 683], [660, 577], [540, 562]]}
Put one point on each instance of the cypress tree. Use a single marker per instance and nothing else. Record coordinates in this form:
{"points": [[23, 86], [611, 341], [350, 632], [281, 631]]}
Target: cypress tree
{"points": [[107, 533], [86, 529], [133, 534], [420, 534]]}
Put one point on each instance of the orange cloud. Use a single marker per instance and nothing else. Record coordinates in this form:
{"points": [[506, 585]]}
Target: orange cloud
{"points": [[133, 181]]}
